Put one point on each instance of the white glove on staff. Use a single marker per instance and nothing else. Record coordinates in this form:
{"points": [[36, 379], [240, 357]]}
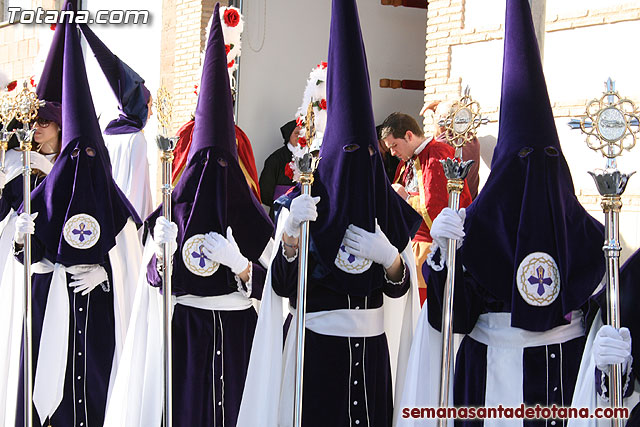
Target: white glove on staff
{"points": [[40, 162], [225, 251], [374, 246], [449, 224], [89, 279], [303, 208], [612, 347], [165, 231], [24, 225]]}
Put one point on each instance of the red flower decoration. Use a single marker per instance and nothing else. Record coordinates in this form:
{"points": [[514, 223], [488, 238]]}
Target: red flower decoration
{"points": [[52, 27], [288, 171], [32, 80], [230, 64], [302, 142], [231, 17], [11, 86], [322, 65], [299, 121], [322, 104], [227, 49], [195, 87]]}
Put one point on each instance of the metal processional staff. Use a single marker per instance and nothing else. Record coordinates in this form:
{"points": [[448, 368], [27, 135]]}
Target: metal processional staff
{"points": [[26, 110], [307, 165], [460, 128], [166, 145], [611, 125]]}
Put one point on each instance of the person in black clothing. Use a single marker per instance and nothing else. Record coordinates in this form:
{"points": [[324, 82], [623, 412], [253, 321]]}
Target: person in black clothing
{"points": [[274, 181]]}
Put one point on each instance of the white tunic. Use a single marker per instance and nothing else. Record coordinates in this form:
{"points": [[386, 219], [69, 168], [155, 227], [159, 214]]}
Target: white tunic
{"points": [[130, 169]]}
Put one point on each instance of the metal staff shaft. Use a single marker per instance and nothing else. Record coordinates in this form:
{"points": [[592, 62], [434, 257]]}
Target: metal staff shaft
{"points": [[25, 146], [167, 159], [303, 254], [611, 207], [455, 187]]}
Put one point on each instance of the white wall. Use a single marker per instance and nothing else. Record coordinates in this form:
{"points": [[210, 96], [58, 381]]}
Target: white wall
{"points": [[138, 46], [274, 68]]}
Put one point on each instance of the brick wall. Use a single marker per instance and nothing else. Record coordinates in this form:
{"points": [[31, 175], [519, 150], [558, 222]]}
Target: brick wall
{"points": [[184, 25], [19, 45]]}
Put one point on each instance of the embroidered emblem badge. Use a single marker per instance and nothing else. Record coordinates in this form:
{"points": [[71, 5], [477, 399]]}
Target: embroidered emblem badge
{"points": [[81, 231], [195, 259], [351, 263], [538, 280]]}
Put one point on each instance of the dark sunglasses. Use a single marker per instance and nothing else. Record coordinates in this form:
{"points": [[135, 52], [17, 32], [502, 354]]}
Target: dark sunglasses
{"points": [[43, 123]]}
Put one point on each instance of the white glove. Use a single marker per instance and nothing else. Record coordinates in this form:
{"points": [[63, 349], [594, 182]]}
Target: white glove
{"points": [[24, 225], [40, 162], [612, 347], [303, 208], [165, 231], [3, 180], [87, 280], [373, 246], [224, 251], [449, 224]]}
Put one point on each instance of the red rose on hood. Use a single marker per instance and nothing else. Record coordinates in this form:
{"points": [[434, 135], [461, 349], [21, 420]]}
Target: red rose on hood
{"points": [[231, 17]]}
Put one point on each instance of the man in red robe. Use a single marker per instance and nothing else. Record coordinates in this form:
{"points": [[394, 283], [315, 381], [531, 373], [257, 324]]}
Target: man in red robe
{"points": [[420, 179]]}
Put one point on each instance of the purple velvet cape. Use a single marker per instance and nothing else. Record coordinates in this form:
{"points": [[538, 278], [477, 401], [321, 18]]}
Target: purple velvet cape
{"points": [[212, 192], [79, 181], [528, 203], [126, 84], [351, 182]]}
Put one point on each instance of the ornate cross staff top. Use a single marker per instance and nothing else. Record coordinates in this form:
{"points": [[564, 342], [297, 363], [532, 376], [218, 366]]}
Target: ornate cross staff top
{"points": [[308, 163], [461, 126], [26, 105], [611, 125]]}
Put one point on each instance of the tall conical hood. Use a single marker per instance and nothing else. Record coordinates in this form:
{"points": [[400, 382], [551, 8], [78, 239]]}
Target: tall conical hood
{"points": [[50, 84], [128, 87], [81, 210], [214, 112], [530, 244], [351, 178], [212, 192]]}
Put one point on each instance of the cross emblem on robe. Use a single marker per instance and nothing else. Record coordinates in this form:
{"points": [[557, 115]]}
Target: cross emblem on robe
{"points": [[201, 256], [540, 280], [81, 231]]}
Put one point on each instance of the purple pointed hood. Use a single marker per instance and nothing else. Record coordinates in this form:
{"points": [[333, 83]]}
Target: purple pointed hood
{"points": [[128, 87], [529, 243], [212, 192], [351, 178], [80, 208]]}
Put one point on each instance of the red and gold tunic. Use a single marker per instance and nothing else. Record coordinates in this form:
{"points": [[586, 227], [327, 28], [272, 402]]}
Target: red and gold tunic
{"points": [[423, 178]]}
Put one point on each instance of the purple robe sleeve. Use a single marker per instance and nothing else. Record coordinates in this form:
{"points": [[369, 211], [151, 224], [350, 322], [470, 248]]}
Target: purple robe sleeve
{"points": [[468, 302], [396, 290], [258, 275], [602, 383], [284, 274], [153, 276]]}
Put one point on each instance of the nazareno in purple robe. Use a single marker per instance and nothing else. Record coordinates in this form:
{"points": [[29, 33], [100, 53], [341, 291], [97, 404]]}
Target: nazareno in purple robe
{"points": [[526, 216], [79, 183], [347, 380], [211, 348]]}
